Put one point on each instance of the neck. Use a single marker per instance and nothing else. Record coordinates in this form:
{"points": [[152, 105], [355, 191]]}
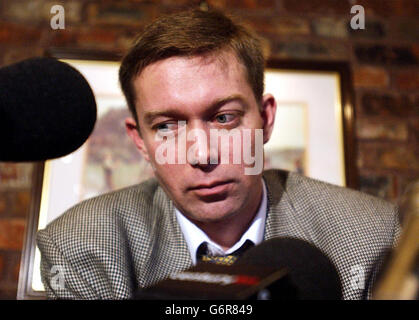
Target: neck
{"points": [[227, 232]]}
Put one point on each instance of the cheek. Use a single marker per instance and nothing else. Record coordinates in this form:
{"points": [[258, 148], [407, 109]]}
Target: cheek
{"points": [[170, 175], [168, 178], [254, 119]]}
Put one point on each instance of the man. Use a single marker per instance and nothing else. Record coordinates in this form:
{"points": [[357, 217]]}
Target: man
{"points": [[198, 72]]}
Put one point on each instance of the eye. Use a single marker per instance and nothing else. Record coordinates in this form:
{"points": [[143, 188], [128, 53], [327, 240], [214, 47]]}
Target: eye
{"points": [[165, 127], [224, 118]]}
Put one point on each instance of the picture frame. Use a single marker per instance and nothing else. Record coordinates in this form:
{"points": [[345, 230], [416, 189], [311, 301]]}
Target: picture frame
{"points": [[301, 150], [329, 122]]}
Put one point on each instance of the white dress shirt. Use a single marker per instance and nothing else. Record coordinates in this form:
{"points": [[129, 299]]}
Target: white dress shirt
{"points": [[194, 236]]}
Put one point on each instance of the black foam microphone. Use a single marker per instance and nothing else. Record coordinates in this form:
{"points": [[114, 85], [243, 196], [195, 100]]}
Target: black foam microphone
{"points": [[47, 110], [280, 268], [312, 273]]}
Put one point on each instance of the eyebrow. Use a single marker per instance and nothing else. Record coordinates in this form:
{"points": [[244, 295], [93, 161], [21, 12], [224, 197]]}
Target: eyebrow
{"points": [[151, 115]]}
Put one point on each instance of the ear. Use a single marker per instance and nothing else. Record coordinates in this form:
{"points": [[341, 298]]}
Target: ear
{"points": [[133, 133], [268, 115]]}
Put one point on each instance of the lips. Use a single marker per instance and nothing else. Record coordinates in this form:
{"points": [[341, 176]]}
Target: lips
{"points": [[213, 188], [210, 185]]}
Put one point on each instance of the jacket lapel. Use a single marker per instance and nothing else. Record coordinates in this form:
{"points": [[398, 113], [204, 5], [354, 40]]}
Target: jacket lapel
{"points": [[169, 252], [282, 218]]}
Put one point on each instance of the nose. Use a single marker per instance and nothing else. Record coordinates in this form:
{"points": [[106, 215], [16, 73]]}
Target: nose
{"points": [[201, 153]]}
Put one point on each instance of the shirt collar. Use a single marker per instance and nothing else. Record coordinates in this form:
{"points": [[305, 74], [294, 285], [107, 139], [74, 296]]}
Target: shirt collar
{"points": [[194, 236]]}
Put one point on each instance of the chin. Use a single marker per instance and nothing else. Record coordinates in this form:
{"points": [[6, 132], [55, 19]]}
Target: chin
{"points": [[213, 213]]}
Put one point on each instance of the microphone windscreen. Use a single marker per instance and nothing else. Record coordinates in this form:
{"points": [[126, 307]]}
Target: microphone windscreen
{"points": [[47, 110], [311, 272]]}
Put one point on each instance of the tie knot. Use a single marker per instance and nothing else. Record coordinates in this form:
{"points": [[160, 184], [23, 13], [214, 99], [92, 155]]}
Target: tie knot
{"points": [[204, 255]]}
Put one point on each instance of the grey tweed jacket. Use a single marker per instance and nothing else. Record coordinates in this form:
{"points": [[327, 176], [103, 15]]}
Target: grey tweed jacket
{"points": [[108, 246]]}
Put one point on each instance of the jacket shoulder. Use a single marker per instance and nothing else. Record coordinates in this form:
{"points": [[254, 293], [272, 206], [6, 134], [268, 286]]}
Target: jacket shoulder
{"points": [[313, 195], [106, 213]]}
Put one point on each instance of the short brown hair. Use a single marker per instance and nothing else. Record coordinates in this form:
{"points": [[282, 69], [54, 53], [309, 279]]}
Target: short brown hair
{"points": [[190, 33]]}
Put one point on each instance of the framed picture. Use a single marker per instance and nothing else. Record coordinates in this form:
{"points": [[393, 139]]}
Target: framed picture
{"points": [[313, 131], [313, 135]]}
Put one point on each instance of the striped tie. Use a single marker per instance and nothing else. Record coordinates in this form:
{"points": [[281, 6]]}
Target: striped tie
{"points": [[202, 254], [224, 260]]}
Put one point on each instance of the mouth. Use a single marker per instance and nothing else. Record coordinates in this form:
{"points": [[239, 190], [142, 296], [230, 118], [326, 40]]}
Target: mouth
{"points": [[211, 189]]}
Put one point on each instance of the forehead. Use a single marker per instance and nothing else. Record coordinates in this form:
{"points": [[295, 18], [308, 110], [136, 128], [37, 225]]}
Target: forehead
{"points": [[190, 82], [221, 60]]}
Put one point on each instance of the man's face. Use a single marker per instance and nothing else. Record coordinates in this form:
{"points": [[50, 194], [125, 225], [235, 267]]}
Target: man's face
{"points": [[205, 93]]}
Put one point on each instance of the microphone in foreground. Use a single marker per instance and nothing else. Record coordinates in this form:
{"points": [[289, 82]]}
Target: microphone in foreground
{"points": [[277, 269], [47, 110], [311, 272]]}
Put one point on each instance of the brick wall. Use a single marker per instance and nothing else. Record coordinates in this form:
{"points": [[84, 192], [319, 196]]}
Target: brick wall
{"points": [[15, 184], [383, 59]]}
